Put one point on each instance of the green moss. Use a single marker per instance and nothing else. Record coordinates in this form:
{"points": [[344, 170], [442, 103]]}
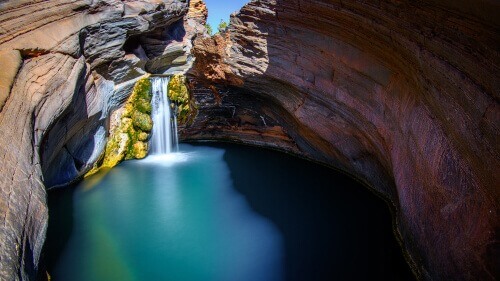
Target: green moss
{"points": [[142, 121], [140, 149], [178, 94], [118, 143], [143, 105], [143, 136], [127, 141], [177, 90], [142, 89]]}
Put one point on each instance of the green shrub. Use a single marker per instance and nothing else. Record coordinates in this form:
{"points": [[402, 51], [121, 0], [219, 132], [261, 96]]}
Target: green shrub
{"points": [[209, 29], [222, 26]]}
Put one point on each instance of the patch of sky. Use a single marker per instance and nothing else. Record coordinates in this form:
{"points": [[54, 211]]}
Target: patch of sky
{"points": [[220, 10]]}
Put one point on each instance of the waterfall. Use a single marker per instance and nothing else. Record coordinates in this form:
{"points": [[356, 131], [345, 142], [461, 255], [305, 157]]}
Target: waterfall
{"points": [[164, 137]]}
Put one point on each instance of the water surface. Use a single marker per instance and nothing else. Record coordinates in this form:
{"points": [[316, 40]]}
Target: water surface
{"points": [[220, 212]]}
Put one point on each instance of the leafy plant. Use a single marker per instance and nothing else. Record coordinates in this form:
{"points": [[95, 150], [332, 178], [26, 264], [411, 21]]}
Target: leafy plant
{"points": [[222, 26], [209, 29]]}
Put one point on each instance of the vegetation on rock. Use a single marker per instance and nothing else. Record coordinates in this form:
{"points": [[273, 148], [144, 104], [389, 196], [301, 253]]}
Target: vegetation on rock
{"points": [[222, 26], [178, 94], [128, 137], [209, 29], [142, 121]]}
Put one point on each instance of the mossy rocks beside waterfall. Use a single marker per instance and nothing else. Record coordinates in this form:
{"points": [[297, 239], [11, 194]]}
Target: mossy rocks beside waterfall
{"points": [[130, 128], [178, 94], [135, 123], [142, 121]]}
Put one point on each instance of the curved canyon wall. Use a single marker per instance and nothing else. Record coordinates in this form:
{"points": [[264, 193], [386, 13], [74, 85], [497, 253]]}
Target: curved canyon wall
{"points": [[65, 65], [403, 95]]}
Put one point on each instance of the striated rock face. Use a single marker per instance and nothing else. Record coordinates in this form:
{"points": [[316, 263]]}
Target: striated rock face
{"points": [[233, 115], [197, 11], [403, 95], [64, 66]]}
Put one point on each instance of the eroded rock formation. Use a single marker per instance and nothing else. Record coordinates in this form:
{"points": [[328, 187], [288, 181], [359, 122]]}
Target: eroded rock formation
{"points": [[403, 95], [65, 65]]}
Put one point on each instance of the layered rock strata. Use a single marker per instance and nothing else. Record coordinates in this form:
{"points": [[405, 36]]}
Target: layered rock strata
{"points": [[65, 65], [233, 115], [403, 95]]}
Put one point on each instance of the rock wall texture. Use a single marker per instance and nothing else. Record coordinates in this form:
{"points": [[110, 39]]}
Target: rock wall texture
{"points": [[64, 65], [403, 95]]}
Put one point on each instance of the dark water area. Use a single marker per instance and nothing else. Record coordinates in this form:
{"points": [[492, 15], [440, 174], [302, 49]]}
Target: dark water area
{"points": [[221, 212]]}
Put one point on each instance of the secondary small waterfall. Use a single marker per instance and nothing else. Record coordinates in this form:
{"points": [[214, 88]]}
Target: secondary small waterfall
{"points": [[164, 138]]}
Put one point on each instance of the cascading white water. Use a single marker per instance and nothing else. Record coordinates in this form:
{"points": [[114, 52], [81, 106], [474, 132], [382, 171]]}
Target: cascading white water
{"points": [[176, 136], [164, 138]]}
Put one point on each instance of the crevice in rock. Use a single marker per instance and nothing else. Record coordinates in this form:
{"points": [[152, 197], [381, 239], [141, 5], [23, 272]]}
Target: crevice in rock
{"points": [[132, 45], [77, 162]]}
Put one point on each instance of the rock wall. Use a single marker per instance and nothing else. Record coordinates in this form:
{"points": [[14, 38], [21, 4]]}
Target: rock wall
{"points": [[65, 65], [403, 95]]}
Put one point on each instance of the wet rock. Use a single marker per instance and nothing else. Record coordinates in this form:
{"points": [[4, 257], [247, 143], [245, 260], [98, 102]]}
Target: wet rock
{"points": [[129, 128]]}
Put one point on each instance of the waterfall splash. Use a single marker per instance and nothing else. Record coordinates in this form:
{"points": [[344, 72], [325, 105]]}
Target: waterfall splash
{"points": [[164, 139]]}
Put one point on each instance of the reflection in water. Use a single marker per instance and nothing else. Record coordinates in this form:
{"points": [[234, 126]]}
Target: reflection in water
{"points": [[169, 217], [221, 213]]}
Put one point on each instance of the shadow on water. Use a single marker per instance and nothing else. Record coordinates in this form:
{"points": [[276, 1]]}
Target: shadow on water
{"points": [[60, 201], [333, 228], [61, 221]]}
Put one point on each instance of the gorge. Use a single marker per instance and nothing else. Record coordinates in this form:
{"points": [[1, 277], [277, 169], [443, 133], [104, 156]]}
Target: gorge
{"points": [[401, 95]]}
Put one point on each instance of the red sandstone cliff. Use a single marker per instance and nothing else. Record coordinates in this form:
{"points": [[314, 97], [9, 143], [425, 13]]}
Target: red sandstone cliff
{"points": [[403, 95]]}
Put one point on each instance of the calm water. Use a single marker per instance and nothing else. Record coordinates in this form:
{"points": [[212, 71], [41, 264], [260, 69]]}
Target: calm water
{"points": [[220, 212]]}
